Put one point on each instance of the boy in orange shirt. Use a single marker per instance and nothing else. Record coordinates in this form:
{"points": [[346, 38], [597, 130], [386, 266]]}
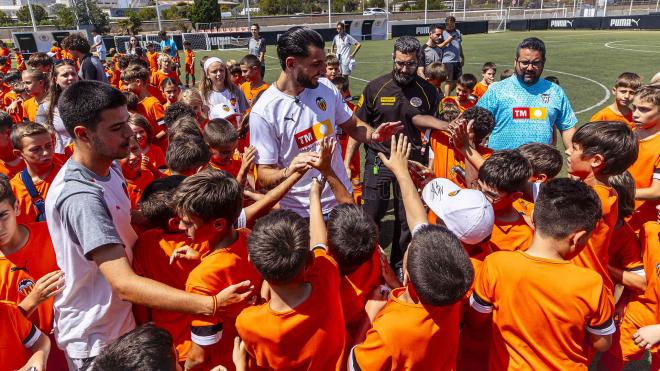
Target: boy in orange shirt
{"points": [[190, 62], [254, 83], [428, 302], [646, 169], [56, 51], [222, 139], [463, 98], [136, 80], [546, 311], [34, 144], [10, 164], [601, 149], [624, 91], [152, 57], [137, 179], [209, 203], [20, 61], [502, 178], [165, 71], [36, 84], [546, 161], [488, 72]]}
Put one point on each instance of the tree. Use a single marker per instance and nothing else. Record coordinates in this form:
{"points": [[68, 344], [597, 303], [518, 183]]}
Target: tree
{"points": [[4, 18], [89, 13], [178, 11], [147, 14], [65, 18], [23, 14], [131, 25], [205, 11]]}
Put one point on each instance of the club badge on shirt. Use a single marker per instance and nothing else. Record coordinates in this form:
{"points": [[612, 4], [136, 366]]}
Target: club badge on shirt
{"points": [[25, 286], [416, 102], [545, 98], [321, 103]]}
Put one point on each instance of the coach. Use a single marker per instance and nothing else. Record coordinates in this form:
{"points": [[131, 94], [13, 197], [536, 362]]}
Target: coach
{"points": [[295, 113], [526, 107], [399, 95]]}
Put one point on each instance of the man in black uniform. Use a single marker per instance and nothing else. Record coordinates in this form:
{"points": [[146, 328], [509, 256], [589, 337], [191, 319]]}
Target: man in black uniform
{"points": [[396, 96]]}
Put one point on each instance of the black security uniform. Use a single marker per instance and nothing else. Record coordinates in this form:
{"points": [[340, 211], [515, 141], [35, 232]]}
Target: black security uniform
{"points": [[383, 100]]}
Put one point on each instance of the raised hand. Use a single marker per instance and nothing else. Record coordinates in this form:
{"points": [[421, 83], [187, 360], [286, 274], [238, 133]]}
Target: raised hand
{"points": [[324, 161], [399, 153], [386, 130]]}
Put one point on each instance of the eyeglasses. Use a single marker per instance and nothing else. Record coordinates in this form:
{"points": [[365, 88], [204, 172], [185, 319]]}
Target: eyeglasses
{"points": [[402, 64], [535, 64]]}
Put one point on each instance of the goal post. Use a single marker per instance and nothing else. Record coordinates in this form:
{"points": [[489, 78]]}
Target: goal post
{"points": [[198, 41]]}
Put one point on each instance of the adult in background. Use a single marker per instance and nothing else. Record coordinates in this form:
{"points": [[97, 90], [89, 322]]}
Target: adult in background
{"points": [[526, 107], [342, 44], [296, 113], [89, 220], [452, 57], [91, 67], [167, 42], [99, 45], [399, 95], [432, 49], [257, 46]]}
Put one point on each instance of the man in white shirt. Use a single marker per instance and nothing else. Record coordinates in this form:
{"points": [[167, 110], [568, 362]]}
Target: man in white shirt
{"points": [[342, 44], [99, 45], [89, 221], [295, 113]]}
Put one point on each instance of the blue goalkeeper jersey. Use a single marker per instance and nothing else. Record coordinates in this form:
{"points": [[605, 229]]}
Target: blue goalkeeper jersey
{"points": [[525, 114]]}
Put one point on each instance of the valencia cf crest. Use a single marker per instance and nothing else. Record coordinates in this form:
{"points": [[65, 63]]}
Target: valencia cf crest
{"points": [[321, 103], [453, 193], [25, 286], [232, 101], [545, 98], [225, 108], [657, 270]]}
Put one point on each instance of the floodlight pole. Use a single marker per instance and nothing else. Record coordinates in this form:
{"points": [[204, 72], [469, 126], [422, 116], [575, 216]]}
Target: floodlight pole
{"points": [[426, 10], [541, 10], [657, 2], [160, 26], [630, 10], [464, 2], [574, 7], [34, 24], [605, 9], [330, 13], [247, 7]]}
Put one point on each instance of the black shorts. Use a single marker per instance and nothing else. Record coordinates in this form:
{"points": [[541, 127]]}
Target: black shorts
{"points": [[454, 70]]}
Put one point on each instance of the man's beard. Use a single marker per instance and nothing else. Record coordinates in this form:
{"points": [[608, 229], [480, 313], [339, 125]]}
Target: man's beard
{"points": [[531, 79], [403, 79], [306, 82]]}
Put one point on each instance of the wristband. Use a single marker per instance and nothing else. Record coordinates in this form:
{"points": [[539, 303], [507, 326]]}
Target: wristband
{"points": [[215, 304], [285, 169]]}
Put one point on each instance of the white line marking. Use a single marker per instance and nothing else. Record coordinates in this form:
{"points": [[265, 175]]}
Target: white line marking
{"points": [[359, 79], [609, 45]]}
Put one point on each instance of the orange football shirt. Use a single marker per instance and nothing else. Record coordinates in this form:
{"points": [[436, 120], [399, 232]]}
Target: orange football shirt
{"points": [[606, 114], [250, 92], [446, 158], [356, 286], [625, 249], [158, 77], [511, 236], [479, 90], [645, 168], [153, 111], [136, 187], [28, 212], [30, 108], [18, 334], [462, 107]]}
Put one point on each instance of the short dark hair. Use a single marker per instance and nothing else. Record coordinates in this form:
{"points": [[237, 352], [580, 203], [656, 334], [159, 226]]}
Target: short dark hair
{"points": [[450, 18], [408, 45], [484, 122], [342, 24], [186, 153], [184, 126], [352, 237], [565, 206], [210, 194], [175, 111], [532, 43], [187, 43], [23, 130], [137, 61], [76, 42], [489, 66], [468, 80], [6, 123], [256, 25], [624, 185], [506, 171], [39, 59], [434, 27], [341, 82], [250, 60], [6, 192], [295, 42], [136, 72], [544, 158], [145, 348], [613, 140], [279, 246], [156, 200], [85, 101], [132, 100], [12, 76], [219, 132], [438, 266], [506, 74]]}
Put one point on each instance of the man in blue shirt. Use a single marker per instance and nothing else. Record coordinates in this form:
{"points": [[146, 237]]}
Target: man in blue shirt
{"points": [[166, 41], [526, 107], [452, 54]]}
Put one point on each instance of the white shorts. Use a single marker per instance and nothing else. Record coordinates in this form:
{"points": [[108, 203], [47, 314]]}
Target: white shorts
{"points": [[347, 66]]}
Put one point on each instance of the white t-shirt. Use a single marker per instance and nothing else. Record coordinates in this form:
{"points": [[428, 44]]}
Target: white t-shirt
{"points": [[98, 39], [85, 212], [282, 126], [343, 45], [226, 97]]}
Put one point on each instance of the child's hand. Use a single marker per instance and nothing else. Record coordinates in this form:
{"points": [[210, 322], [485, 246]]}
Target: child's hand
{"points": [[647, 336], [317, 188], [387, 272], [145, 163], [46, 287], [419, 173], [239, 355], [249, 157], [185, 253], [462, 135], [399, 152], [302, 162], [326, 149]]}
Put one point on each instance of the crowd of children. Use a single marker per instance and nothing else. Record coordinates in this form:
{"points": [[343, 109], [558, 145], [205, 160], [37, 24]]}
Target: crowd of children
{"points": [[511, 266]]}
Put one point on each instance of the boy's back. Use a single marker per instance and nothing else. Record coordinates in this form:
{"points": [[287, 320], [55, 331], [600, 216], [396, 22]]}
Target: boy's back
{"points": [[308, 337], [644, 170], [541, 308], [426, 337], [511, 236], [356, 286]]}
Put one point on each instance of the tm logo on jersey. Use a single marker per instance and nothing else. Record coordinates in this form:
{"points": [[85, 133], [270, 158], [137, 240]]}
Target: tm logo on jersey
{"points": [[313, 134], [529, 113]]}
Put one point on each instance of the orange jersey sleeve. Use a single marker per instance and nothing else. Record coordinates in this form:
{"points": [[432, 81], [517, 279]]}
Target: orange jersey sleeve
{"points": [[251, 92], [462, 106], [392, 344], [152, 260], [136, 187], [625, 249], [156, 93], [156, 156], [645, 169], [479, 90], [447, 162], [650, 237], [218, 270], [232, 168], [153, 61], [30, 107], [511, 236], [28, 211], [11, 170], [356, 286], [595, 255], [20, 270], [153, 111], [529, 295], [606, 114], [292, 340], [18, 334]]}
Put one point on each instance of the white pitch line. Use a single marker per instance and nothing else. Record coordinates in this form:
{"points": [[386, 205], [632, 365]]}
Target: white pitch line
{"points": [[615, 47]]}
